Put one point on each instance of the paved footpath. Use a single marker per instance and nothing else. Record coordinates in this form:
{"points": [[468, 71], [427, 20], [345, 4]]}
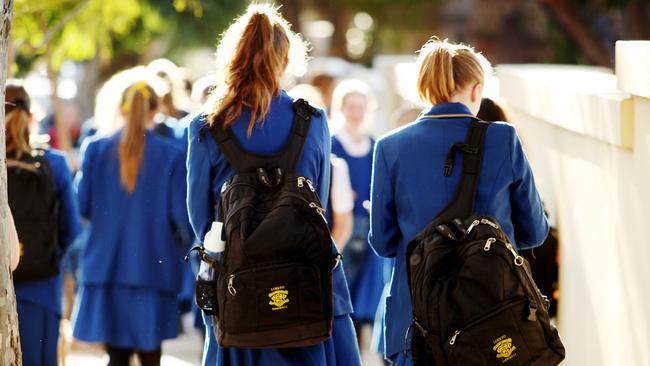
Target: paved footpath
{"points": [[183, 351]]}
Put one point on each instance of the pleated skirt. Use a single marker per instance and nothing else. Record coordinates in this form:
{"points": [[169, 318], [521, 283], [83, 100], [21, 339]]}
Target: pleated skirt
{"points": [[125, 316]]}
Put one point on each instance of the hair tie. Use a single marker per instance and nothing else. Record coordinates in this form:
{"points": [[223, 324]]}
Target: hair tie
{"points": [[16, 103], [141, 87]]}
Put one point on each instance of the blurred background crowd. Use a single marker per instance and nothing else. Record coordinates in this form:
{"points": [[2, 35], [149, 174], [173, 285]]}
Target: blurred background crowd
{"points": [[77, 57]]}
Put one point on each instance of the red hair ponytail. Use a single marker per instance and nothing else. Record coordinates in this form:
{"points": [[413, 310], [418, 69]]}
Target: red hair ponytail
{"points": [[251, 76]]}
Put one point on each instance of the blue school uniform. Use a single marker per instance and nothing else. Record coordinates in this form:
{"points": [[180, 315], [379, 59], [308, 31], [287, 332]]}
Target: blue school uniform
{"points": [[409, 190], [208, 169], [131, 270], [176, 131], [367, 284], [39, 302]]}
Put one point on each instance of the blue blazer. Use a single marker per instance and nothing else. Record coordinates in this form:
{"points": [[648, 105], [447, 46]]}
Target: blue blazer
{"points": [[47, 292], [208, 168], [137, 239], [409, 190]]}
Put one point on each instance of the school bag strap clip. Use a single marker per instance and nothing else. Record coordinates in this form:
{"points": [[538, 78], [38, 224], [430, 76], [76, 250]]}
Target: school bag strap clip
{"points": [[206, 258], [459, 146]]}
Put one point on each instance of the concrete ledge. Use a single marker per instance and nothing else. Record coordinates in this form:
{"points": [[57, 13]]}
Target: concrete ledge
{"points": [[582, 99], [633, 67]]}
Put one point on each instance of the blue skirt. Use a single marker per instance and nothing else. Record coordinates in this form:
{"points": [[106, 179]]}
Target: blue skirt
{"points": [[367, 286], [125, 316], [340, 350], [39, 333]]}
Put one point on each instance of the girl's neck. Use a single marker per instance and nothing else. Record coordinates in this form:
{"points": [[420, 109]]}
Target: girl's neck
{"points": [[355, 133]]}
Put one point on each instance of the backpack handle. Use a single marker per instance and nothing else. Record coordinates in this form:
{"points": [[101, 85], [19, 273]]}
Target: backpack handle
{"points": [[263, 176]]}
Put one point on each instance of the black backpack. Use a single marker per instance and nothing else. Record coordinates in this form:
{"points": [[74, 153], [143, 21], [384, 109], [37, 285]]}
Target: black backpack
{"points": [[33, 204], [274, 288], [474, 299]]}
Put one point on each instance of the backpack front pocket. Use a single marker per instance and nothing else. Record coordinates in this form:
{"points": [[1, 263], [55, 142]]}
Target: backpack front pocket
{"points": [[499, 337], [273, 297]]}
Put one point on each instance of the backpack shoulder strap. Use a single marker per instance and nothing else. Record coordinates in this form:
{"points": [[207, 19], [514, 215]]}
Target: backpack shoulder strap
{"points": [[462, 204], [243, 161], [229, 146], [300, 129]]}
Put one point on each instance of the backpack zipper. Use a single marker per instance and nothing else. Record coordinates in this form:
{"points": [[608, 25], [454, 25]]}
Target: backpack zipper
{"points": [[488, 243], [481, 221], [472, 323], [452, 341], [231, 278], [518, 260], [301, 183], [231, 288], [488, 222], [319, 210]]}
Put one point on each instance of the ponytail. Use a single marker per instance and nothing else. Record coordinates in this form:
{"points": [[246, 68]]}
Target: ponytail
{"points": [[256, 48], [17, 106], [445, 68], [17, 132], [138, 101]]}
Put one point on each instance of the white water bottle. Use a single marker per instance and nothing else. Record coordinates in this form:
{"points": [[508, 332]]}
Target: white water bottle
{"points": [[213, 246], [213, 242]]}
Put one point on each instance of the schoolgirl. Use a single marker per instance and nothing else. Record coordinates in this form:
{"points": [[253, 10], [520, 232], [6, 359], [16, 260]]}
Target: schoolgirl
{"points": [[253, 55], [131, 188], [351, 105], [409, 187], [38, 296]]}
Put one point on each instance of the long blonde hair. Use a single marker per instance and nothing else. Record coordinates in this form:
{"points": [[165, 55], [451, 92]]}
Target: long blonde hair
{"points": [[445, 68], [251, 57], [17, 119], [137, 102]]}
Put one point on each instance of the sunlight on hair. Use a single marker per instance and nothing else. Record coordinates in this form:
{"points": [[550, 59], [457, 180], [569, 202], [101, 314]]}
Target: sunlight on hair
{"points": [[230, 40], [107, 118], [251, 60], [444, 68]]}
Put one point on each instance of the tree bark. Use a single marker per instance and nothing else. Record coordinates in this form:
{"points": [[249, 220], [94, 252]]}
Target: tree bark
{"points": [[580, 31], [61, 127], [9, 337], [340, 18], [291, 12]]}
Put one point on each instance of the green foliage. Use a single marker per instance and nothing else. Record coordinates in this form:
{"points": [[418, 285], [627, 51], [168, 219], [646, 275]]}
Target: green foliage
{"points": [[189, 30], [83, 29], [78, 29], [193, 6]]}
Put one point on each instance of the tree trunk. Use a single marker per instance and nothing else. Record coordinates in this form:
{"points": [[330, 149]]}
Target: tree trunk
{"points": [[9, 338], [88, 87], [340, 16], [291, 12], [61, 127], [580, 31]]}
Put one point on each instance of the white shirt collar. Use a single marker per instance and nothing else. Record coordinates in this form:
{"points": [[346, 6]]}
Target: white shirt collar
{"points": [[351, 146]]}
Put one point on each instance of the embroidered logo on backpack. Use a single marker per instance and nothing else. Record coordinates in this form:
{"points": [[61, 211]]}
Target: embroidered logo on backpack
{"points": [[504, 348], [279, 297]]}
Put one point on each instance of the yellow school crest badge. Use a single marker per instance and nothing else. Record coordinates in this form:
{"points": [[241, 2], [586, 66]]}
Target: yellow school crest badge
{"points": [[279, 298], [504, 348]]}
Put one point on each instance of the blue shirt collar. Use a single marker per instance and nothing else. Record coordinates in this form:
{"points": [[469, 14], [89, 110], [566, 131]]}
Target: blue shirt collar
{"points": [[448, 108]]}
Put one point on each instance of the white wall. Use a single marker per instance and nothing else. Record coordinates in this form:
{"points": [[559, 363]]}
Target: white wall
{"points": [[589, 145]]}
